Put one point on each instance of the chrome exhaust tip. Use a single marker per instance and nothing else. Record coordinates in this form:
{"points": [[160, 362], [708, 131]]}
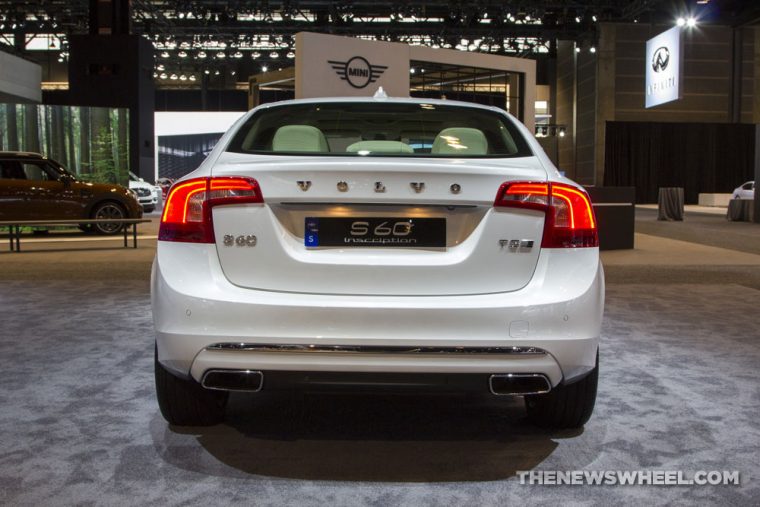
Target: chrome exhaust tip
{"points": [[519, 384], [250, 381]]}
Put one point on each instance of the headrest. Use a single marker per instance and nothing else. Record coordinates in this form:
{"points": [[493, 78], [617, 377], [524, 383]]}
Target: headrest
{"points": [[462, 140], [299, 138]]}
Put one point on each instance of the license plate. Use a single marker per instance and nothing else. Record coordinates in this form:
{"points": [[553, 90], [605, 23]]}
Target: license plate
{"points": [[374, 231]]}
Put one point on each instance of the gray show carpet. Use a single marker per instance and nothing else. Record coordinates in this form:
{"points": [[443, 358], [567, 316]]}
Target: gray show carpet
{"points": [[680, 369]]}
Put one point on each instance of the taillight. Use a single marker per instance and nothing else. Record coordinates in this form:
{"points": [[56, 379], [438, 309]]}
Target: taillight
{"points": [[570, 220], [187, 212]]}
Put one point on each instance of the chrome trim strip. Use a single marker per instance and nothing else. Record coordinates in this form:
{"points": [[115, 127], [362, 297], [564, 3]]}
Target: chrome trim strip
{"points": [[520, 375], [373, 349], [234, 372]]}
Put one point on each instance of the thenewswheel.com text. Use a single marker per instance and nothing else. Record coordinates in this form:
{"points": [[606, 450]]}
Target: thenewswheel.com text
{"points": [[629, 478]]}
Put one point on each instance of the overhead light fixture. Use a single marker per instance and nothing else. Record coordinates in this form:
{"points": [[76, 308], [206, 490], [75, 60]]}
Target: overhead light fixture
{"points": [[201, 54], [182, 54], [183, 77], [592, 49], [562, 132], [274, 55], [174, 77], [691, 22], [255, 55], [680, 21], [264, 68], [192, 77], [164, 54], [163, 75], [291, 54]]}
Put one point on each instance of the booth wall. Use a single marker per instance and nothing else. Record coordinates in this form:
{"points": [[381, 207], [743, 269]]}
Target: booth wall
{"points": [[700, 157]]}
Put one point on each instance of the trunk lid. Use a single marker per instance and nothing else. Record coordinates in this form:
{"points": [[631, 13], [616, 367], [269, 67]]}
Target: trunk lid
{"points": [[479, 255]]}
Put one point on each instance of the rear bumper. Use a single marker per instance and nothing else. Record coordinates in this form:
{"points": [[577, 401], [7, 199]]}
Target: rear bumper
{"points": [[559, 312]]}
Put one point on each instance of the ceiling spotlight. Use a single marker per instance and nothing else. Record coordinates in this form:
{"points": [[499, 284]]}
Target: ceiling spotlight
{"points": [[201, 54], [163, 75], [593, 18], [233, 72], [182, 54], [577, 49], [238, 54], [562, 132], [183, 77], [255, 55], [691, 22], [174, 77], [207, 72], [216, 72], [264, 68], [221, 54], [164, 54], [592, 49], [291, 54], [680, 21], [160, 67], [274, 55], [411, 70], [192, 77]]}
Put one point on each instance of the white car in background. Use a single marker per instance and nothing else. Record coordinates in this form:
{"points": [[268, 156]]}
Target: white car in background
{"points": [[744, 191], [377, 243], [147, 194]]}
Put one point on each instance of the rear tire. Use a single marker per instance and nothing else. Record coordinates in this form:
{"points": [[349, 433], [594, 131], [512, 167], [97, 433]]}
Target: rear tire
{"points": [[565, 406], [105, 210], [184, 402]]}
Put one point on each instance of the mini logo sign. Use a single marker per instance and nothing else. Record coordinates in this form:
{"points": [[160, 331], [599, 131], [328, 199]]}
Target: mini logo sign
{"points": [[357, 71], [660, 59]]}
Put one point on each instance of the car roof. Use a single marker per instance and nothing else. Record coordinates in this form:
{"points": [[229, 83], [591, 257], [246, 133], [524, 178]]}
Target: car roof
{"points": [[21, 154], [381, 100]]}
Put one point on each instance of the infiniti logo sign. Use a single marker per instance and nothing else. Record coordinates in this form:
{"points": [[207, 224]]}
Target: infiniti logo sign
{"points": [[357, 71], [660, 59]]}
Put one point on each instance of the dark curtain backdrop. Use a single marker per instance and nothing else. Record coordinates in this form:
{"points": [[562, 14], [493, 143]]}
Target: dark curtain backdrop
{"points": [[179, 155], [700, 157]]}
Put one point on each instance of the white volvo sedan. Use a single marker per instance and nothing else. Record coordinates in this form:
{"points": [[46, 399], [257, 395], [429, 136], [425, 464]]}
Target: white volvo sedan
{"points": [[377, 244]]}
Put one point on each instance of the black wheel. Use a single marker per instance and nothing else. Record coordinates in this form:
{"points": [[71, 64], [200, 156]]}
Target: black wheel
{"points": [[184, 402], [106, 210], [565, 406]]}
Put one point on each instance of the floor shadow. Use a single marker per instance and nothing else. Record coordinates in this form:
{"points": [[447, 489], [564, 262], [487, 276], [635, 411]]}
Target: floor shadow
{"points": [[372, 438]]}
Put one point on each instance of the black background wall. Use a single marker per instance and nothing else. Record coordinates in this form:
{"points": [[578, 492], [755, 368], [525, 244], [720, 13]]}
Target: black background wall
{"points": [[700, 157]]}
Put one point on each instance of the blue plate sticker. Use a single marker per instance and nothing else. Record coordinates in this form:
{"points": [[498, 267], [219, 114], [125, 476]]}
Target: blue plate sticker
{"points": [[311, 237]]}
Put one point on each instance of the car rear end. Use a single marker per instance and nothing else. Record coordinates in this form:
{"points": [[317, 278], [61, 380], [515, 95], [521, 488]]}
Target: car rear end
{"points": [[375, 243]]}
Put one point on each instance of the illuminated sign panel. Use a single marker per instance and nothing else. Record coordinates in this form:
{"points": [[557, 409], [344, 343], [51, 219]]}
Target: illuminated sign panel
{"points": [[663, 68]]}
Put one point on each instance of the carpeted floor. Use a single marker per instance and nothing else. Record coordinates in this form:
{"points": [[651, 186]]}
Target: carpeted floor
{"points": [[680, 369]]}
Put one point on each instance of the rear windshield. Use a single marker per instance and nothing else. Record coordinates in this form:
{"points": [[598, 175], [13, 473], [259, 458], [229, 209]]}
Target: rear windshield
{"points": [[379, 129]]}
